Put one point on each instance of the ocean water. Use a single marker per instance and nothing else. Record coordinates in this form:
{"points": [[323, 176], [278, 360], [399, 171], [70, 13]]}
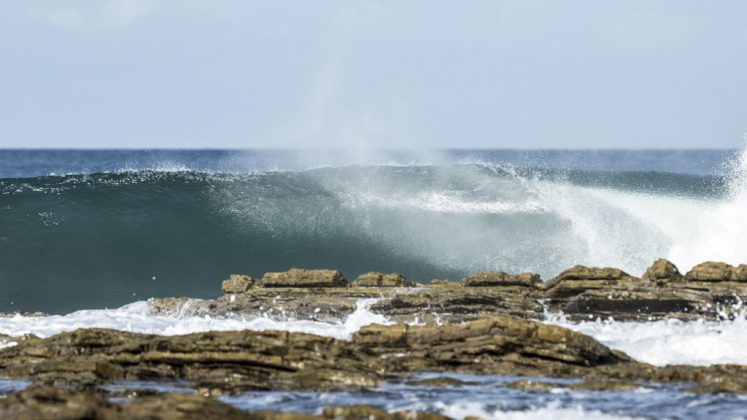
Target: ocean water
{"points": [[96, 229], [89, 236], [485, 396]]}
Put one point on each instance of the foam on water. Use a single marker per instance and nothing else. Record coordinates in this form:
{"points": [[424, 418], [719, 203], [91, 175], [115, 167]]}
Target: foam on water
{"points": [[483, 396], [671, 341], [553, 410], [135, 317]]}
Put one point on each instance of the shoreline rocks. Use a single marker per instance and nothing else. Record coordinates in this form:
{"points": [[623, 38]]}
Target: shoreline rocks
{"points": [[376, 279], [299, 277], [279, 360], [486, 323], [709, 291], [43, 402]]}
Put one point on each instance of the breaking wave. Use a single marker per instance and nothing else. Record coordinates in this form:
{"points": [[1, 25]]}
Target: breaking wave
{"points": [[105, 239]]}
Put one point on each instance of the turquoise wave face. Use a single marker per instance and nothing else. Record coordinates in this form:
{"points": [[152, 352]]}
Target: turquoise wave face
{"points": [[103, 240]]}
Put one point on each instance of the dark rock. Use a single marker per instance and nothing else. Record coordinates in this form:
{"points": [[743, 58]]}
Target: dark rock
{"points": [[376, 279], [298, 277]]}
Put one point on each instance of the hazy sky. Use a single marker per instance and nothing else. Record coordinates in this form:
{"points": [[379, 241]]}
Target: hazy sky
{"points": [[411, 74]]}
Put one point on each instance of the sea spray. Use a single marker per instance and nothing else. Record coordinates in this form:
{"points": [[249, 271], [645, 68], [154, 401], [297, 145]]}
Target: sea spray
{"points": [[670, 341], [719, 232], [95, 239], [137, 317]]}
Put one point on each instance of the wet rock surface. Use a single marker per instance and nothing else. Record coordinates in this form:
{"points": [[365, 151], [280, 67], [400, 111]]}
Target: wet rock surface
{"points": [[299, 277], [376, 279], [228, 360], [275, 360], [236, 361], [711, 290], [238, 284], [44, 402], [483, 324]]}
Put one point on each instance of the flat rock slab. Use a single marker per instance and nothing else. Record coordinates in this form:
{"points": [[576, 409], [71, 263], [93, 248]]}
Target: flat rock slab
{"points": [[298, 277], [709, 291], [239, 360]]}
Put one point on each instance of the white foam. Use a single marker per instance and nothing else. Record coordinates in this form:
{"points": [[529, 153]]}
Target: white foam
{"points": [[553, 410], [666, 342], [719, 232], [135, 317], [7, 343], [629, 230], [445, 202]]}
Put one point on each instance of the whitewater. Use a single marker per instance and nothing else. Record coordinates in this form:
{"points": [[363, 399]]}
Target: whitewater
{"points": [[86, 231]]}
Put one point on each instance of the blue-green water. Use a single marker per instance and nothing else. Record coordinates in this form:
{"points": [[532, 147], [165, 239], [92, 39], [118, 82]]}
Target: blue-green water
{"points": [[91, 229]]}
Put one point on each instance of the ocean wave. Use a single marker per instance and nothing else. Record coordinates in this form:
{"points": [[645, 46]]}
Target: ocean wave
{"points": [[110, 238]]}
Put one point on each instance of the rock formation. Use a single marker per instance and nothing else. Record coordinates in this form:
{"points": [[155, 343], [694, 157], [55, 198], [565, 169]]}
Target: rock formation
{"points": [[486, 323], [708, 291]]}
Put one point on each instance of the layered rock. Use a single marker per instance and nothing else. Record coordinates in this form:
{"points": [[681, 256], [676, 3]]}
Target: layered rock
{"points": [[239, 360], [661, 272], [236, 361], [376, 279], [62, 403], [231, 359], [709, 291], [238, 284], [298, 277], [717, 272], [500, 345], [499, 278]]}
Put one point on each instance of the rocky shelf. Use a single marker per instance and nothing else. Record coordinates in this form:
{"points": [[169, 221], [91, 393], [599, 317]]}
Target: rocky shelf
{"points": [[486, 323], [710, 290]]}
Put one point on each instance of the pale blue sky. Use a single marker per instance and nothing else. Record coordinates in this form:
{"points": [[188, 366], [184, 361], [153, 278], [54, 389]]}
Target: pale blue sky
{"points": [[390, 74]]}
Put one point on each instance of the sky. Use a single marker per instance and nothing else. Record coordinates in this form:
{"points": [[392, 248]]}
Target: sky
{"points": [[377, 74]]}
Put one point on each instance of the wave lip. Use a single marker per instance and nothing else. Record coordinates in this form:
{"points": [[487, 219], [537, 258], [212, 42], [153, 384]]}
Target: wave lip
{"points": [[103, 237]]}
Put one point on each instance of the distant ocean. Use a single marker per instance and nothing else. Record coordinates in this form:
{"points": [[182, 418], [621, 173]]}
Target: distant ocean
{"points": [[95, 229]]}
